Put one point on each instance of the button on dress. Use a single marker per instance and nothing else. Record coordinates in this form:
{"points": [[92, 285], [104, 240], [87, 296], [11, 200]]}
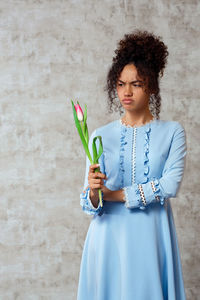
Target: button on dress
{"points": [[131, 249]]}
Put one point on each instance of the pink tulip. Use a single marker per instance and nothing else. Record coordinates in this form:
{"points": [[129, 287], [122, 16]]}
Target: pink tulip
{"points": [[79, 112], [80, 119]]}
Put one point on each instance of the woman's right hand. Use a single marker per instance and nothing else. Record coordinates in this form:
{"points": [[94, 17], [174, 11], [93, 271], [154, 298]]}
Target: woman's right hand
{"points": [[95, 179]]}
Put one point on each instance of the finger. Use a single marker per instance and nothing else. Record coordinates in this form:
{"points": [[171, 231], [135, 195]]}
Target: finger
{"points": [[93, 167], [98, 175], [93, 175], [95, 181], [100, 181], [96, 186]]}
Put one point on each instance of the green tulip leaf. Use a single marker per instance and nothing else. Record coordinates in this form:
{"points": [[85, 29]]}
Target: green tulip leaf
{"points": [[96, 155]]}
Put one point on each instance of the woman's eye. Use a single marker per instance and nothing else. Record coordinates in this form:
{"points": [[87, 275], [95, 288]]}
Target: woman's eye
{"points": [[137, 85]]}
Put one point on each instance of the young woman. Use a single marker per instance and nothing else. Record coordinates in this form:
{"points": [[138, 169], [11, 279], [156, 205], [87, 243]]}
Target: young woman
{"points": [[131, 249]]}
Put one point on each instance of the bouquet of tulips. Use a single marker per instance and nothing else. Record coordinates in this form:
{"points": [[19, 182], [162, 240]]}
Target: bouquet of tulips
{"points": [[80, 119]]}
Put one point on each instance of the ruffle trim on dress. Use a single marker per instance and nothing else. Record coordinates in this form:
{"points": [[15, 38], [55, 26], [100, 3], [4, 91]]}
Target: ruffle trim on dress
{"points": [[87, 205], [132, 199], [125, 198], [133, 159], [146, 153], [138, 197], [156, 191], [121, 155]]}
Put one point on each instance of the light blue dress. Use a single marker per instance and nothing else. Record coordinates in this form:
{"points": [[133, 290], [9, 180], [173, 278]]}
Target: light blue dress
{"points": [[131, 249]]}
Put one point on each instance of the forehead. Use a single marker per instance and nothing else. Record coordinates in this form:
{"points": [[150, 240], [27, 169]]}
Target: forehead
{"points": [[129, 71]]}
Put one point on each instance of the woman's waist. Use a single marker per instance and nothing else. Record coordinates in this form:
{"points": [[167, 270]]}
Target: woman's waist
{"points": [[115, 207], [118, 207]]}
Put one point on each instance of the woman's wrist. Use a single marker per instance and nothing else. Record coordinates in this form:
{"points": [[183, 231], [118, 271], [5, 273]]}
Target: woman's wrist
{"points": [[117, 195], [94, 197]]}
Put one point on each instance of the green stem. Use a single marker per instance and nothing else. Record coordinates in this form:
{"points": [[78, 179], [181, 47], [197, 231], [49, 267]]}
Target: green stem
{"points": [[99, 190], [100, 198]]}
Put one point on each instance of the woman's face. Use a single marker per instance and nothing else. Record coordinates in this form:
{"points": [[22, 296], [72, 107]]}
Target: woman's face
{"points": [[131, 88]]}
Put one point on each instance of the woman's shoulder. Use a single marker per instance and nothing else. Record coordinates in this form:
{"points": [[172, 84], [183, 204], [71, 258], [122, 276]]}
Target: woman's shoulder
{"points": [[108, 127], [171, 125], [106, 131]]}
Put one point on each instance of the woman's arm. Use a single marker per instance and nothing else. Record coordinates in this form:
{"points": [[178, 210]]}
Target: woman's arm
{"points": [[109, 195], [157, 190]]}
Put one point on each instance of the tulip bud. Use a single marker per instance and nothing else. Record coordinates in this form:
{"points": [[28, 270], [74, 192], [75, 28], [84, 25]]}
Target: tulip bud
{"points": [[79, 112]]}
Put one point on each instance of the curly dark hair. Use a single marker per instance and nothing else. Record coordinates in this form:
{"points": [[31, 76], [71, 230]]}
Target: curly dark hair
{"points": [[149, 55]]}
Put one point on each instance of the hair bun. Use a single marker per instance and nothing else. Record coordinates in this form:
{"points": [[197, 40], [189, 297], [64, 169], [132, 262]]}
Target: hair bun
{"points": [[142, 46]]}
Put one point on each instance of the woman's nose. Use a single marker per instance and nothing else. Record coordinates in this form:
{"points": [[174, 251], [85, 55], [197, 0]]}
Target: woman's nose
{"points": [[128, 89]]}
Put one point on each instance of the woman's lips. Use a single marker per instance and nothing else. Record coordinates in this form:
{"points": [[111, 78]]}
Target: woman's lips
{"points": [[127, 101]]}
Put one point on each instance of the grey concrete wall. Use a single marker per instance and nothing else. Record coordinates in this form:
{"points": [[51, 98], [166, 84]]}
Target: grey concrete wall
{"points": [[51, 52]]}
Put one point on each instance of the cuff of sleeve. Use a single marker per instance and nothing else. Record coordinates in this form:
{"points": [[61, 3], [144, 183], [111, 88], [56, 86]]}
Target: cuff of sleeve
{"points": [[132, 197], [87, 205], [90, 202], [141, 195], [152, 192]]}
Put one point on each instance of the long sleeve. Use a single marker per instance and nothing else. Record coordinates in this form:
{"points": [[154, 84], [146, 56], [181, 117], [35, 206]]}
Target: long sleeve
{"points": [[85, 200], [139, 195]]}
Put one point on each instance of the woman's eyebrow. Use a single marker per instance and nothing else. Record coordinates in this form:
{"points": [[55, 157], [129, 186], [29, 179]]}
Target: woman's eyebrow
{"points": [[131, 81]]}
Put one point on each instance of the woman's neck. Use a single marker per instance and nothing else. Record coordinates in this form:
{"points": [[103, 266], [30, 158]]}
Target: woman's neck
{"points": [[136, 119]]}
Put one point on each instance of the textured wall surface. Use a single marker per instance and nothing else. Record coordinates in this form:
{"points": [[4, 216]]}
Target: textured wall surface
{"points": [[52, 51]]}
